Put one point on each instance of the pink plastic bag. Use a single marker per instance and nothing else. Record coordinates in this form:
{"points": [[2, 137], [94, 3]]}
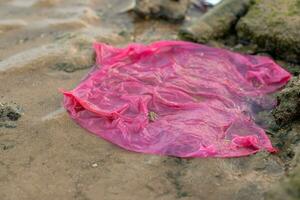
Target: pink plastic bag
{"points": [[177, 98]]}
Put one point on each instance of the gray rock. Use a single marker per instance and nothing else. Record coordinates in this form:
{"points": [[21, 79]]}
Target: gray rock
{"points": [[173, 10], [215, 23]]}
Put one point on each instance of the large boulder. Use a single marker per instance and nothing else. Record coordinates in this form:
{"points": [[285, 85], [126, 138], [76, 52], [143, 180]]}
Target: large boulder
{"points": [[216, 23], [275, 26]]}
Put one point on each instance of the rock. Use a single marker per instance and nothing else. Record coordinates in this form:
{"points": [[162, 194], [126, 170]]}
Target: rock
{"points": [[289, 187], [173, 10], [215, 23], [285, 139], [124, 6], [273, 25], [6, 145], [69, 67], [247, 49], [80, 54], [196, 9], [288, 108], [70, 53], [94, 165], [9, 114]]}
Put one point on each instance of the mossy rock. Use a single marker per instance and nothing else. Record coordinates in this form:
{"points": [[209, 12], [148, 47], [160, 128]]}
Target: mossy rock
{"points": [[9, 114], [288, 108], [274, 25], [289, 187]]}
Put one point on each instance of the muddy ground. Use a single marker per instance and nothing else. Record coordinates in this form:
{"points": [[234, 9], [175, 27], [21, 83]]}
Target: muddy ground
{"points": [[46, 45]]}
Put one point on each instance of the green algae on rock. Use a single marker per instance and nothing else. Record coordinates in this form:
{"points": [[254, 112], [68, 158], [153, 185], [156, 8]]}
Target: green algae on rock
{"points": [[286, 133], [274, 26], [286, 138], [215, 23], [288, 108]]}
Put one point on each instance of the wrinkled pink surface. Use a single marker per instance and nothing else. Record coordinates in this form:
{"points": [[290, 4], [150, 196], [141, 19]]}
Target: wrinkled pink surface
{"points": [[204, 99]]}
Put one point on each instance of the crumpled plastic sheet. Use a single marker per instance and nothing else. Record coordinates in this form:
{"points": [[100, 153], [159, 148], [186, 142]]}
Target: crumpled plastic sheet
{"points": [[177, 98]]}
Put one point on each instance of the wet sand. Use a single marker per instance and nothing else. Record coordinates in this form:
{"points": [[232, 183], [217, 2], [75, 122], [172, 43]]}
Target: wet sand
{"points": [[46, 45]]}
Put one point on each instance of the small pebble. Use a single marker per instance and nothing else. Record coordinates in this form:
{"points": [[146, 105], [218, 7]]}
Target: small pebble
{"points": [[94, 165]]}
